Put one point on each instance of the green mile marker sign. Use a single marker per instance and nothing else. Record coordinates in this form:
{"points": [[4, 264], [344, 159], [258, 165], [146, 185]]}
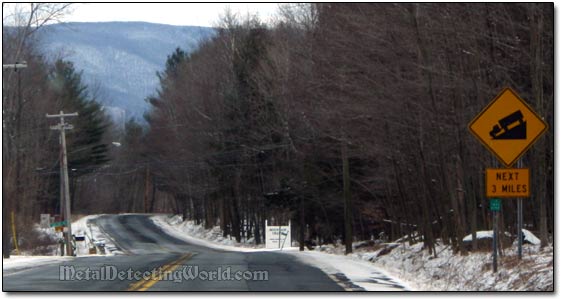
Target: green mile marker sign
{"points": [[60, 223], [495, 204]]}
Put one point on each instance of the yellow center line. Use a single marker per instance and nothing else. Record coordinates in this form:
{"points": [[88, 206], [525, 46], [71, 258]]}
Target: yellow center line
{"points": [[144, 285]]}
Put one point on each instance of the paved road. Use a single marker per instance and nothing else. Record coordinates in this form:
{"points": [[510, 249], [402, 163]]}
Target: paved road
{"points": [[182, 266]]}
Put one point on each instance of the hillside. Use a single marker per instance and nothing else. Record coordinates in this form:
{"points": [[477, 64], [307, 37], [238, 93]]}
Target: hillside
{"points": [[120, 59]]}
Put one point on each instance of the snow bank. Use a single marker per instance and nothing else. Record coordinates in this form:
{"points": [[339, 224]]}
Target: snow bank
{"points": [[94, 235], [86, 227], [531, 238], [400, 266], [486, 234], [360, 273], [17, 263], [453, 272], [198, 235]]}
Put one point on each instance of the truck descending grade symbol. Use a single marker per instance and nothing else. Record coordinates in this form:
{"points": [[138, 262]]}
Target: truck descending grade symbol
{"points": [[507, 127], [505, 132]]}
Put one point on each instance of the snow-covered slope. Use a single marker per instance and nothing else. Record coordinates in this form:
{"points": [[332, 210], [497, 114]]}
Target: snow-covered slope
{"points": [[83, 227], [197, 234], [453, 272], [18, 263], [351, 273], [120, 58], [407, 267], [363, 274]]}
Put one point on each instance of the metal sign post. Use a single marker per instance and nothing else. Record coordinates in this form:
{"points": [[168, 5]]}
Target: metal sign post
{"points": [[495, 207], [507, 127], [519, 218], [495, 240]]}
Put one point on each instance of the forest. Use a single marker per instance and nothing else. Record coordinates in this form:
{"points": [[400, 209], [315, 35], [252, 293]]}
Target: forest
{"points": [[349, 120]]}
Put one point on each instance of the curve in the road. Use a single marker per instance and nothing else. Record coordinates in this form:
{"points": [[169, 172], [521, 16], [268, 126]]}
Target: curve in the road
{"points": [[150, 248]]}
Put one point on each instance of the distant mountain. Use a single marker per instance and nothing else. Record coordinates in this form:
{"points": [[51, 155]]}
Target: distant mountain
{"points": [[120, 59]]}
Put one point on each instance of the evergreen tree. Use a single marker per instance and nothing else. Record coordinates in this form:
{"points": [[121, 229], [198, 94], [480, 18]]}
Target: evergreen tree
{"points": [[86, 147]]}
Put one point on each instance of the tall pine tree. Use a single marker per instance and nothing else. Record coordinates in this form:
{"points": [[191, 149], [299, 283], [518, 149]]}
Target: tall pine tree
{"points": [[86, 148]]}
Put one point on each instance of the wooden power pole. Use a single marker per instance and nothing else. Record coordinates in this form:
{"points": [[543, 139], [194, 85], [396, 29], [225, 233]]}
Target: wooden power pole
{"points": [[62, 127], [8, 207]]}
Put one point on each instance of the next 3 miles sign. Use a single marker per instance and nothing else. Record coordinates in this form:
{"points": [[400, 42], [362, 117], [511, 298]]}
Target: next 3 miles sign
{"points": [[508, 127], [507, 182]]}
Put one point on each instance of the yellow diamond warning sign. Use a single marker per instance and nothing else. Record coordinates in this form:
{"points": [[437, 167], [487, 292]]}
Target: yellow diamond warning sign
{"points": [[507, 182], [508, 127]]}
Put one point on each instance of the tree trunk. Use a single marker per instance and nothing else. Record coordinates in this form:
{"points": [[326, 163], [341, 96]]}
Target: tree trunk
{"points": [[302, 225], [473, 213], [536, 28], [6, 233], [460, 191], [146, 189], [151, 210], [256, 230], [347, 199]]}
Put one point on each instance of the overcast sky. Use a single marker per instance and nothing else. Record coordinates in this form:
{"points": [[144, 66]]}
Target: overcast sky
{"points": [[198, 14]]}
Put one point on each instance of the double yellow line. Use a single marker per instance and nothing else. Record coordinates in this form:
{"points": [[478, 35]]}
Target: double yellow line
{"points": [[143, 285]]}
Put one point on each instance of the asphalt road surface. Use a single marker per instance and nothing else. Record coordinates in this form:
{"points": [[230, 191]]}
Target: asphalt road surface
{"points": [[155, 261]]}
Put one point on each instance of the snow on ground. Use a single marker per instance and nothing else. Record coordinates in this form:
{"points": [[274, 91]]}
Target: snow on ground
{"points": [[453, 272], [94, 235], [84, 226], [528, 236], [486, 234], [17, 263], [355, 274], [360, 273], [20, 262], [413, 266], [198, 235]]}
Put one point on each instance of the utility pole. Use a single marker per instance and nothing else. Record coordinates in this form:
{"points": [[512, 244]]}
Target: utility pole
{"points": [[62, 127], [61, 188], [8, 207]]}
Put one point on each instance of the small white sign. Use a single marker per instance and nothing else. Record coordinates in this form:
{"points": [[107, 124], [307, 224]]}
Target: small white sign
{"points": [[45, 220], [277, 236]]}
